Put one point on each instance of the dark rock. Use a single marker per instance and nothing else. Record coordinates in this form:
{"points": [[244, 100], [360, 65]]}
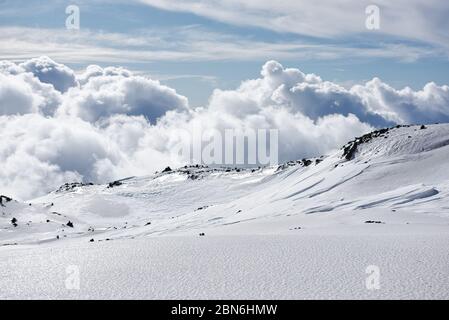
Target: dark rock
{"points": [[91, 240], [372, 221], [72, 186], [306, 162], [168, 169], [4, 199], [14, 222], [202, 234], [423, 127], [70, 224], [350, 149], [114, 184]]}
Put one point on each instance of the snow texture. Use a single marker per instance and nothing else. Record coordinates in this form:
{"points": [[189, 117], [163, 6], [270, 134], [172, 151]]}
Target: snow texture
{"points": [[305, 229]]}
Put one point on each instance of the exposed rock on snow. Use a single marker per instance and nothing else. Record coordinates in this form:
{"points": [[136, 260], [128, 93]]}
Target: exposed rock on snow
{"points": [[305, 229], [384, 172], [4, 199]]}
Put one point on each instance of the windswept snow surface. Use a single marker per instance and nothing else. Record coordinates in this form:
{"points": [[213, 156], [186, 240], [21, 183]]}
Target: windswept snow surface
{"points": [[306, 229]]}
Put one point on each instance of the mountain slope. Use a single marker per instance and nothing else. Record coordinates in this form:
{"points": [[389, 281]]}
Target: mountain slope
{"points": [[307, 229], [395, 176]]}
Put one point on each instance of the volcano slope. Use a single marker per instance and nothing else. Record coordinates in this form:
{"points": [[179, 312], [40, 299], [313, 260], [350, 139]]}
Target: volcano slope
{"points": [[368, 221]]}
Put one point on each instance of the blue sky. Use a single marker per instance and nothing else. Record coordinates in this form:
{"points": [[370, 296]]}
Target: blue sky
{"points": [[196, 46]]}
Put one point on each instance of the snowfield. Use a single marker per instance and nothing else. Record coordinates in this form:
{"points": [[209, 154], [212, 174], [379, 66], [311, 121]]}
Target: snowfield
{"points": [[309, 229]]}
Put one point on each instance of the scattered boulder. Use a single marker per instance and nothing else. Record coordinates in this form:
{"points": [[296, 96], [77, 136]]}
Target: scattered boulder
{"points": [[373, 221], [193, 177], [423, 127], [168, 169], [114, 184], [69, 224], [91, 240], [306, 162], [4, 199], [148, 223], [72, 186], [14, 222], [202, 234]]}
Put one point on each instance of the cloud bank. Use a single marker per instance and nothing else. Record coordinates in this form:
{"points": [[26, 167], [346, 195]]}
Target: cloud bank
{"points": [[107, 123]]}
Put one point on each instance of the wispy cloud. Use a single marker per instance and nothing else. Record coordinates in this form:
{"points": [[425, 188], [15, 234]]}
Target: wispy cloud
{"points": [[421, 20], [190, 43]]}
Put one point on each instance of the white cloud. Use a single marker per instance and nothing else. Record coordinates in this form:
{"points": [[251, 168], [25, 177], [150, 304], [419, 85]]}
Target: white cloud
{"points": [[190, 43], [430, 104], [111, 124], [21, 92], [116, 91], [412, 19], [48, 71]]}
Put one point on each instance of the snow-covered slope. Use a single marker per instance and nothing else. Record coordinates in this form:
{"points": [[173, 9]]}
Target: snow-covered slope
{"points": [[382, 199], [397, 176]]}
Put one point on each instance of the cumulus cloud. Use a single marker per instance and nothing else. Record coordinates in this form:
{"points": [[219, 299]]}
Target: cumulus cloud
{"points": [[428, 105], [108, 123], [21, 92], [114, 91], [48, 71]]}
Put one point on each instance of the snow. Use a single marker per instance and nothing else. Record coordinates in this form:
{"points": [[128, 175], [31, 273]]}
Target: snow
{"points": [[295, 231], [243, 267]]}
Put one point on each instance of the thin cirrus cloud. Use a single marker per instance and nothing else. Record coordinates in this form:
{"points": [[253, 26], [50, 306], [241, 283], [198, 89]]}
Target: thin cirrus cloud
{"points": [[422, 20], [109, 123], [188, 43]]}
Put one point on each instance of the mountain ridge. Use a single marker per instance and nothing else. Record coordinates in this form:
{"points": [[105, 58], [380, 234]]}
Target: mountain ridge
{"points": [[377, 177]]}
